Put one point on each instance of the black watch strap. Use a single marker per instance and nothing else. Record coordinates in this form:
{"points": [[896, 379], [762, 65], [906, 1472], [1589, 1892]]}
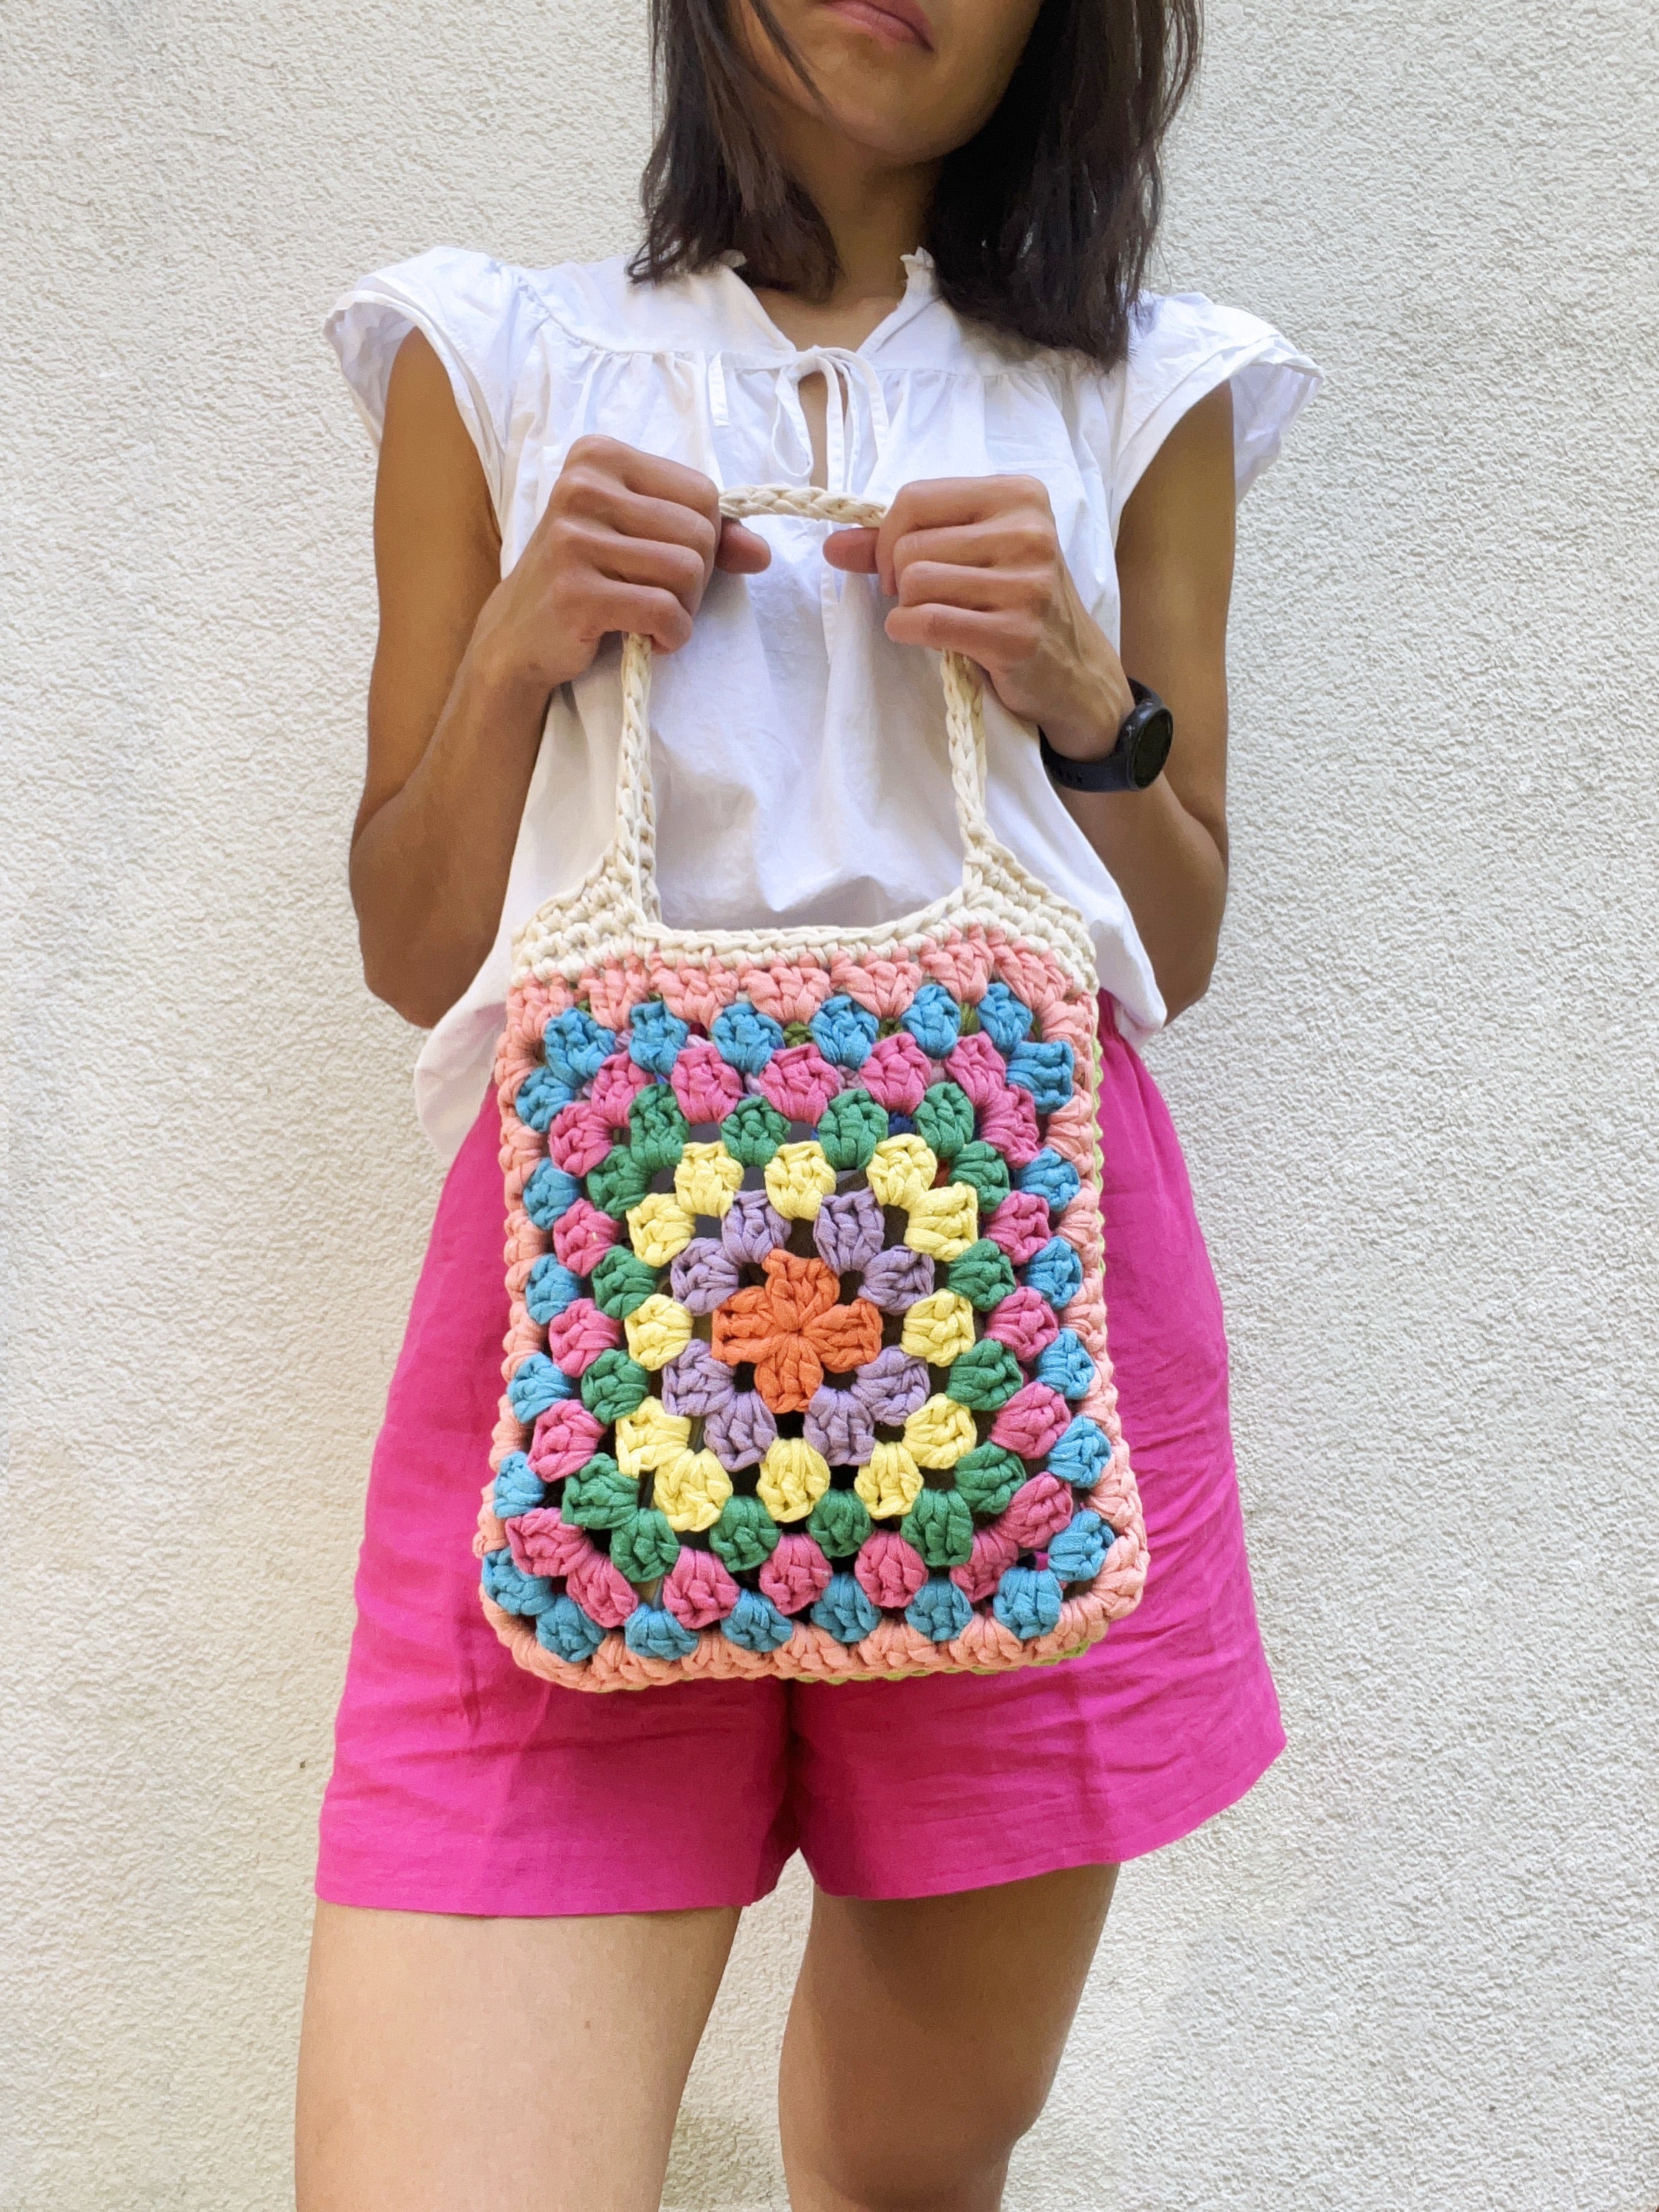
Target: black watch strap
{"points": [[1134, 762]]}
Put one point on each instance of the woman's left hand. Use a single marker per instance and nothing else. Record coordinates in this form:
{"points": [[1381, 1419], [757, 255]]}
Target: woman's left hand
{"points": [[975, 566]]}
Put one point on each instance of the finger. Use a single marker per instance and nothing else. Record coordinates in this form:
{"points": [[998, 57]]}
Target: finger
{"points": [[995, 640], [989, 589], [648, 474], [628, 607], [854, 550], [1018, 539], [667, 567], [943, 503], [593, 498], [741, 552]]}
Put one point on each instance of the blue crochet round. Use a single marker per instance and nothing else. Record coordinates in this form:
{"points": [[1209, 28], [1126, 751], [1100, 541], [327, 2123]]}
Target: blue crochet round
{"points": [[1046, 1070], [1028, 1601], [1005, 1019], [655, 1037], [549, 1193], [1051, 1178], [1055, 1273], [515, 1489], [933, 1019], [745, 1037], [844, 1032], [754, 1623], [549, 1290], [564, 1628], [1081, 1454], [513, 1591], [654, 1632], [1076, 1554], [1066, 1365], [573, 1046], [536, 1385], [539, 1097], [939, 1610], [845, 1611]]}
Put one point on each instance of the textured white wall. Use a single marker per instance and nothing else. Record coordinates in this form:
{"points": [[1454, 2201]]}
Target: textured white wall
{"points": [[1418, 1968]]}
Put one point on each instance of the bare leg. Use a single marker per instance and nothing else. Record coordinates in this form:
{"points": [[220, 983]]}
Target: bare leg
{"points": [[463, 2065], [923, 2040]]}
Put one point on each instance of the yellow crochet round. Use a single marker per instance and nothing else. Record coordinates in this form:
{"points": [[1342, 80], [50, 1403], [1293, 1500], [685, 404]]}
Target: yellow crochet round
{"points": [[793, 1478], [901, 1169], [892, 1481], [659, 1228], [649, 1438], [939, 1328], [939, 1432], [657, 1331], [798, 1179], [707, 1178], [691, 1488], [943, 1223]]}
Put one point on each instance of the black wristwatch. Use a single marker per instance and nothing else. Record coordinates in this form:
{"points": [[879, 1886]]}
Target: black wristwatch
{"points": [[1136, 760]]}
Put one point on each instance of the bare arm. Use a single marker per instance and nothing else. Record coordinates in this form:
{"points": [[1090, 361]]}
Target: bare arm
{"points": [[974, 564], [466, 662], [1167, 846]]}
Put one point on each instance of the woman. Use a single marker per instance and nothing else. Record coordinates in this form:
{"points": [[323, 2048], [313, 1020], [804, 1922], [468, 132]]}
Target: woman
{"points": [[894, 247]]}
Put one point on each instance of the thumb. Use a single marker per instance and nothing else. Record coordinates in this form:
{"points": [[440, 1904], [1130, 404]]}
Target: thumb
{"points": [[741, 552], [853, 550]]}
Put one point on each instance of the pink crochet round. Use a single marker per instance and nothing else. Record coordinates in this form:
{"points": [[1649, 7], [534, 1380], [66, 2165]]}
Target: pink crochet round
{"points": [[545, 1544], [697, 1590], [1032, 1422], [1020, 1225], [582, 1235], [567, 1436], [707, 1088], [800, 1081], [995, 1552], [602, 1590], [1037, 1512], [796, 1575], [889, 1571], [1025, 1322], [976, 1067], [576, 1337], [898, 1072], [1009, 1122], [580, 1137], [619, 1082]]}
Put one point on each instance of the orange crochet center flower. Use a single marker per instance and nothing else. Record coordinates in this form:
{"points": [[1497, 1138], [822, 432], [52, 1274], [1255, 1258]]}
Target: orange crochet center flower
{"points": [[792, 1328]]}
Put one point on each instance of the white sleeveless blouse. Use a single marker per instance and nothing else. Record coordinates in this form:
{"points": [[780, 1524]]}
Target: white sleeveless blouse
{"points": [[799, 755]]}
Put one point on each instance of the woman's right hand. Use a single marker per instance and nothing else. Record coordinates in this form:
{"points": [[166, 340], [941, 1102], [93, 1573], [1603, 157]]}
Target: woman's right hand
{"points": [[628, 541]]}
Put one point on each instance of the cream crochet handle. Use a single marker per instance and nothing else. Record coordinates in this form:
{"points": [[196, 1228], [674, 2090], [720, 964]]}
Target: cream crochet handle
{"points": [[633, 857]]}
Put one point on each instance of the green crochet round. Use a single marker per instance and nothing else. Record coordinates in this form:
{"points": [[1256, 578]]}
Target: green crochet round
{"points": [[840, 1522], [853, 1124], [986, 1376], [659, 1128], [983, 1167], [941, 1527], [752, 1130], [988, 1477], [599, 1496], [984, 1275], [622, 1282], [644, 1546], [620, 1181], [745, 1535], [614, 1385], [944, 1120]]}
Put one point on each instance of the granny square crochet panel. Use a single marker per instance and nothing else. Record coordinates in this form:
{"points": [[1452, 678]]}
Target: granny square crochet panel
{"points": [[807, 1371]]}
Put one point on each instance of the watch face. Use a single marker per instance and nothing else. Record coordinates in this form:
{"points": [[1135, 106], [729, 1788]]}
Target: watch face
{"points": [[1148, 742]]}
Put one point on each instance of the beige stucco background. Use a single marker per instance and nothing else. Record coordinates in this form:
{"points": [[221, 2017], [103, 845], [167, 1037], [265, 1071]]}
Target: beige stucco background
{"points": [[1420, 1966]]}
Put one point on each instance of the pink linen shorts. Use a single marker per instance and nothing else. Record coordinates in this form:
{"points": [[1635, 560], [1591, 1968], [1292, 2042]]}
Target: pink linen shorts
{"points": [[462, 1784]]}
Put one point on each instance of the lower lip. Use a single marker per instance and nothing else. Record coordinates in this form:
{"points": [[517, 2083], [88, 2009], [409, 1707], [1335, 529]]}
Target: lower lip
{"points": [[880, 25]]}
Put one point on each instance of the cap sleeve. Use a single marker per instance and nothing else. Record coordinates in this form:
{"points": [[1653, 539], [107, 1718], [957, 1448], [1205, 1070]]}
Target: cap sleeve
{"points": [[1182, 347], [479, 320]]}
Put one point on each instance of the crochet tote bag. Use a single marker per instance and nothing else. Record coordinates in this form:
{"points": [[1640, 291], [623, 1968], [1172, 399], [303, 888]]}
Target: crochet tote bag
{"points": [[806, 1371]]}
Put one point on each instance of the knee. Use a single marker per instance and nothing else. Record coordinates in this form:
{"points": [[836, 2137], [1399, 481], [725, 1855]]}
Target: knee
{"points": [[941, 2146]]}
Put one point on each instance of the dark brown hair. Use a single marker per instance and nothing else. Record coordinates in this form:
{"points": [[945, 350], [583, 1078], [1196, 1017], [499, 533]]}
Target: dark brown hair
{"points": [[1043, 223]]}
